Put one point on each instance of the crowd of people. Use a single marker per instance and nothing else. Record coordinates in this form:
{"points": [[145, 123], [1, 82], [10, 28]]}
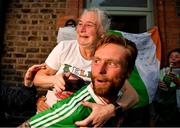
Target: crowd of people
{"points": [[87, 82]]}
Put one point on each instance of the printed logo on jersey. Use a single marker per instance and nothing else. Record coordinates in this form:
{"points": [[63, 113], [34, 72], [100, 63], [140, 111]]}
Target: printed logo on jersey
{"points": [[79, 72]]}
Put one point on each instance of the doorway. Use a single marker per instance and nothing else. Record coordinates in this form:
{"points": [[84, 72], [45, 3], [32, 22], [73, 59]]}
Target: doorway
{"points": [[131, 24]]}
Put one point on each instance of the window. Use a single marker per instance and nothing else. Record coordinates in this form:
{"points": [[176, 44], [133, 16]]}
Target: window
{"points": [[118, 3], [136, 14]]}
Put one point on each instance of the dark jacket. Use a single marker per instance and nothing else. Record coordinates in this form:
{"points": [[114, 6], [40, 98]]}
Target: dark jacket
{"points": [[17, 104]]}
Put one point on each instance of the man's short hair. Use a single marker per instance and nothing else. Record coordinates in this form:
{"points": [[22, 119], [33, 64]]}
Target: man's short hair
{"points": [[127, 44]]}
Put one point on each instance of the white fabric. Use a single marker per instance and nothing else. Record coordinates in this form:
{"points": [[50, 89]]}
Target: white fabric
{"points": [[178, 98], [66, 57], [66, 33], [146, 62]]}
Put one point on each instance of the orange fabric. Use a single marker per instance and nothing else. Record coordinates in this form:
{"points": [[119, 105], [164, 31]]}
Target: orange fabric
{"points": [[156, 39]]}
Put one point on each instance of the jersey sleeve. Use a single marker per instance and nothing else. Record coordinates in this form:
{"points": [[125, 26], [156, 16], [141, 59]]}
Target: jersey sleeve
{"points": [[55, 57]]}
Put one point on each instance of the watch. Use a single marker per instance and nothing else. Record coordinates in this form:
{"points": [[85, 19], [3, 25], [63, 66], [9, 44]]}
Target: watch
{"points": [[118, 108]]}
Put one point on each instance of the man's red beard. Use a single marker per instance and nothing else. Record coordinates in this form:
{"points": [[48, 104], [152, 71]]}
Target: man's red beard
{"points": [[110, 89]]}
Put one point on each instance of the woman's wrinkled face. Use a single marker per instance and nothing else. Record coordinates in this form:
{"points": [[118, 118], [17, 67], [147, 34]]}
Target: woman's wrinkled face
{"points": [[87, 30]]}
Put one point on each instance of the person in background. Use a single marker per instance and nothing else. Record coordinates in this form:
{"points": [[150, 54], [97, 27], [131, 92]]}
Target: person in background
{"points": [[18, 104], [68, 31], [112, 64], [70, 23], [75, 56], [166, 101]]}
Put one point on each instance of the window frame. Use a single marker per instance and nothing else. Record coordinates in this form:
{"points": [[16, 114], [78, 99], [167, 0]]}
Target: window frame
{"points": [[130, 11]]}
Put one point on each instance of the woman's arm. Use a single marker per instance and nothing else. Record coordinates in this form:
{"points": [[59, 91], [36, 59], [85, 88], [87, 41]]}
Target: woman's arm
{"points": [[47, 78], [129, 97]]}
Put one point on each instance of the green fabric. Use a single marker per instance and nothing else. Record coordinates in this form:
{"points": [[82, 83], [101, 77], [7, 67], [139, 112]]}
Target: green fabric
{"points": [[110, 32], [138, 84], [136, 81], [69, 118], [67, 111]]}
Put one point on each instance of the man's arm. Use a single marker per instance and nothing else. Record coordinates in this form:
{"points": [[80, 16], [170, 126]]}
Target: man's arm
{"points": [[101, 113]]}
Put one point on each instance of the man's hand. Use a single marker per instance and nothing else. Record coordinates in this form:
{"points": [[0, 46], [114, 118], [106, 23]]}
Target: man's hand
{"points": [[100, 114], [29, 76]]}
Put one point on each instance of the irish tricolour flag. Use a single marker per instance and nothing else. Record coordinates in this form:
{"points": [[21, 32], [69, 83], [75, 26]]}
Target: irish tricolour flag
{"points": [[145, 76]]}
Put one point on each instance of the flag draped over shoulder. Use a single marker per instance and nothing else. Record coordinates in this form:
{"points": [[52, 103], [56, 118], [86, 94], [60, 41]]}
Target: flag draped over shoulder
{"points": [[145, 75]]}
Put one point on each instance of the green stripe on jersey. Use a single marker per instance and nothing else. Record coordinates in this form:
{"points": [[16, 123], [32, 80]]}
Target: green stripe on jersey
{"points": [[64, 113]]}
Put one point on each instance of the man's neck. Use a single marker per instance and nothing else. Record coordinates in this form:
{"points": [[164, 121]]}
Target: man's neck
{"points": [[109, 100]]}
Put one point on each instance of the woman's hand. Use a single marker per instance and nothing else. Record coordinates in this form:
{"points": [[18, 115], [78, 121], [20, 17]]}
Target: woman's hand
{"points": [[68, 82], [29, 76], [100, 114]]}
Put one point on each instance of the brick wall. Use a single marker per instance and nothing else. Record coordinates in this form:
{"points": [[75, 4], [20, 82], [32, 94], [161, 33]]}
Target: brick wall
{"points": [[30, 35], [31, 28], [169, 25]]}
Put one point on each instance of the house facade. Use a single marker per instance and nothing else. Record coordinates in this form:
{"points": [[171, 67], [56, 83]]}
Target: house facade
{"points": [[28, 28]]}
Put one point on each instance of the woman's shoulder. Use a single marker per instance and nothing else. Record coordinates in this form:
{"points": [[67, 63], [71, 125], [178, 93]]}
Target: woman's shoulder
{"points": [[67, 43]]}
